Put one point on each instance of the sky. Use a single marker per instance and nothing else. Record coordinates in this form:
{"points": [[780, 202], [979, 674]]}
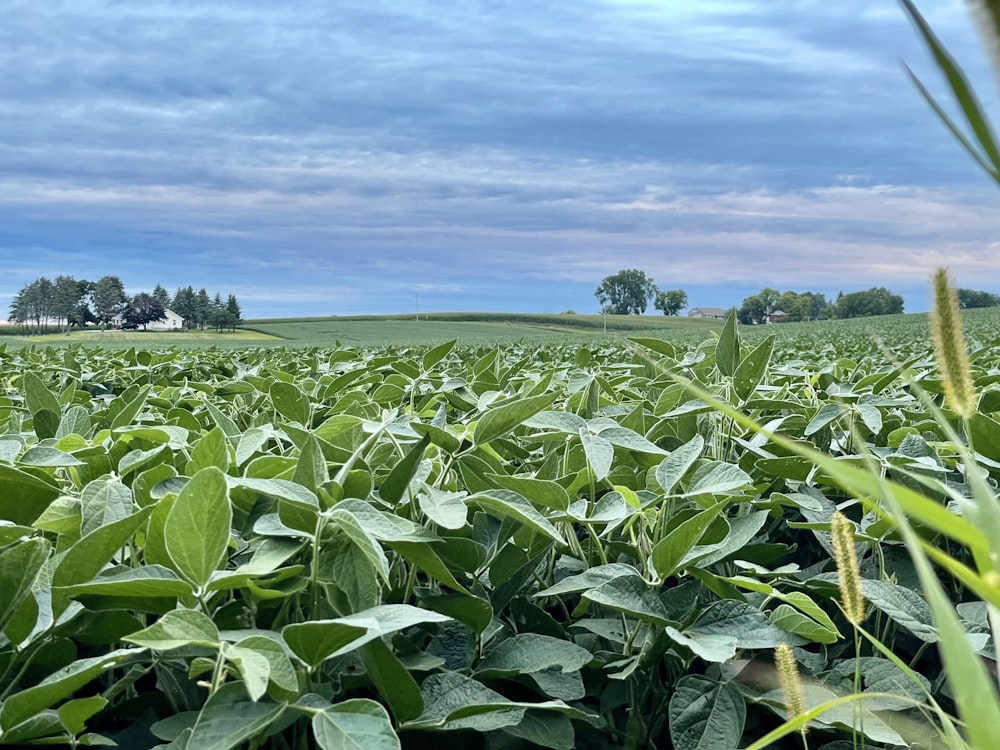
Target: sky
{"points": [[351, 157]]}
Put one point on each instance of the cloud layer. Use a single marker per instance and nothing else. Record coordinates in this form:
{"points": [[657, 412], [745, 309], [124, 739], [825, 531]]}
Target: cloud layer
{"points": [[320, 158]]}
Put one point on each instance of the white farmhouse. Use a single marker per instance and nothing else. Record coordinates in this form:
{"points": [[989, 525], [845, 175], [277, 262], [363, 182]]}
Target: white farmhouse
{"points": [[171, 322]]}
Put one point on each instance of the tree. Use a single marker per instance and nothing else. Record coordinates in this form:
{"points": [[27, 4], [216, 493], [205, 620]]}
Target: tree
{"points": [[671, 302], [874, 301], [968, 298], [626, 292], [109, 298], [233, 308], [163, 295], [752, 311], [143, 309], [202, 307], [185, 305]]}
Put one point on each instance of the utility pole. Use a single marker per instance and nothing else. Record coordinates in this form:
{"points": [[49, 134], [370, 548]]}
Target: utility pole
{"points": [[416, 302]]}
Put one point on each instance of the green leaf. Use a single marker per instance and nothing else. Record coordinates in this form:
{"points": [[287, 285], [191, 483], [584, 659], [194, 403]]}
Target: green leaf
{"points": [[37, 396], [290, 402], [209, 451], [903, 606], [311, 470], [41, 455], [512, 505], [252, 666], [706, 715], [177, 628], [224, 723], [24, 495], [139, 583], [633, 596], [364, 541], [392, 680], [673, 468], [281, 673], [357, 724], [196, 531], [103, 502], [126, 411], [749, 626], [443, 507], [19, 567], [630, 440], [394, 486], [599, 452], [501, 419], [671, 550], [24, 704], [435, 355], [716, 478], [589, 579], [73, 714], [727, 351], [750, 371], [542, 492]]}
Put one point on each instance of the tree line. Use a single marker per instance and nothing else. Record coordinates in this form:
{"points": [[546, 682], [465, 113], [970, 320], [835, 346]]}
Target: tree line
{"points": [[67, 302], [629, 291]]}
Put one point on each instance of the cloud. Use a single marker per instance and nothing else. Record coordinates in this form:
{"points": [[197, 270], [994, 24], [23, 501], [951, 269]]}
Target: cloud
{"points": [[311, 155]]}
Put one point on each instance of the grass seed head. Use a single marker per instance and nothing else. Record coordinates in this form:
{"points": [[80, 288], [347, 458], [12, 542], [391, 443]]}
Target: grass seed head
{"points": [[852, 600], [949, 347], [986, 14], [790, 681]]}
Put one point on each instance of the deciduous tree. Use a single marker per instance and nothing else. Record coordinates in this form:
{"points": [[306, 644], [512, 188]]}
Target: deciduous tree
{"points": [[626, 293]]}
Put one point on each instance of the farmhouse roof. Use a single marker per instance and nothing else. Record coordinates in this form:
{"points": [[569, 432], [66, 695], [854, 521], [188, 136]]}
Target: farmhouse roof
{"points": [[707, 312]]}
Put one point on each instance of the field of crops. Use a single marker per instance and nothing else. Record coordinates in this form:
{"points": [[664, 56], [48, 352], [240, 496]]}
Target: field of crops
{"points": [[569, 544]]}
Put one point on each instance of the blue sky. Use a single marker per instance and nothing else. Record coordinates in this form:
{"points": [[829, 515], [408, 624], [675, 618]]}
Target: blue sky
{"points": [[341, 157]]}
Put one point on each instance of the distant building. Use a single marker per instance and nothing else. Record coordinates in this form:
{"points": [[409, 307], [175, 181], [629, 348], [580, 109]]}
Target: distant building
{"points": [[776, 317], [171, 322], [708, 312]]}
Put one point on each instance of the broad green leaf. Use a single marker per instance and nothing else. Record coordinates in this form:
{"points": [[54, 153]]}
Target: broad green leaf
{"points": [[58, 685], [711, 648], [749, 626], [600, 453], [177, 628], [37, 396], [904, 606], [790, 619], [633, 596], [558, 421], [741, 530], [103, 502], [824, 416], [139, 583], [542, 492], [501, 419], [209, 451], [671, 550], [443, 507], [630, 440], [527, 653], [589, 579], [291, 403], [716, 478], [196, 532], [706, 715], [394, 487], [392, 680], [435, 355], [311, 470], [357, 724], [281, 673], [223, 723], [359, 536], [73, 714], [673, 468], [19, 567], [511, 505], [750, 372], [91, 553], [46, 456], [253, 667], [727, 351], [24, 495], [127, 410]]}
